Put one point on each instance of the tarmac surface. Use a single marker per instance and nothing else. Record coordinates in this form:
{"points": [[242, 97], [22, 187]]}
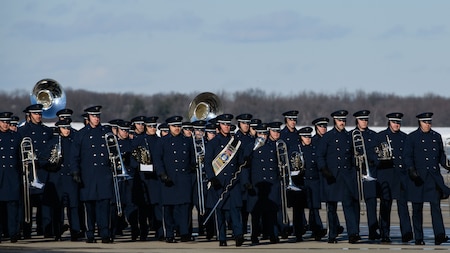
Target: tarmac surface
{"points": [[201, 244]]}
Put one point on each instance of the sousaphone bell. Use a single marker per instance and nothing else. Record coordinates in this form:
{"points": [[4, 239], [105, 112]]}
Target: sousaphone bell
{"points": [[50, 94], [204, 106]]}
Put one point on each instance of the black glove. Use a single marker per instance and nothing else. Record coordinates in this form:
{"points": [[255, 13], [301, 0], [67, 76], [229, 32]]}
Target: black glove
{"points": [[166, 180], [328, 176], [447, 165], [414, 176], [250, 189], [76, 177], [215, 183]]}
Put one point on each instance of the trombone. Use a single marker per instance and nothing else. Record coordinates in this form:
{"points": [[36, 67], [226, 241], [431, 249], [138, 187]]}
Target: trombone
{"points": [[28, 158], [285, 171], [363, 173], [199, 147], [115, 156]]}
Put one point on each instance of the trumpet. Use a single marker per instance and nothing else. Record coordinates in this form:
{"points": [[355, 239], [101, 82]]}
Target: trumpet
{"points": [[28, 158], [115, 156], [384, 151], [362, 163], [285, 169]]}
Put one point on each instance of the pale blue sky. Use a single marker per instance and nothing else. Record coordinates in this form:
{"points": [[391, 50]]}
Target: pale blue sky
{"points": [[286, 47]]}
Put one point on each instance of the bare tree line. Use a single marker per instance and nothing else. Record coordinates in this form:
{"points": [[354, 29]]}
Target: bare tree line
{"points": [[263, 105]]}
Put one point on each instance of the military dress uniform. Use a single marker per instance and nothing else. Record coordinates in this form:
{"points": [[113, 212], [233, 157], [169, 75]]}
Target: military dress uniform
{"points": [[296, 199], [423, 153], [90, 159], [312, 185], [369, 185], [392, 179], [174, 163], [230, 207], [10, 179], [40, 135], [335, 161], [245, 139], [264, 199], [63, 189], [150, 209]]}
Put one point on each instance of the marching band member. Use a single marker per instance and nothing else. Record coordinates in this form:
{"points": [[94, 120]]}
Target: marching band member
{"points": [[264, 200], [175, 160], [369, 184], [150, 209], [243, 134], [10, 176], [321, 127], [296, 199], [90, 161], [253, 124], [393, 180], [312, 182], [13, 123], [221, 165], [40, 135], [187, 129], [335, 161], [210, 131], [423, 153], [163, 129], [63, 185]]}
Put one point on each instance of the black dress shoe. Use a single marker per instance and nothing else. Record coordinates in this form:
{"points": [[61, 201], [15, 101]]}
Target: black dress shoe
{"points": [[14, 239], [407, 237], [354, 238], [91, 240], [299, 239], [185, 238], [340, 230], [332, 240], [274, 239], [386, 240], [255, 240], [239, 240], [440, 239], [107, 240], [419, 242], [374, 236], [170, 240], [223, 243]]}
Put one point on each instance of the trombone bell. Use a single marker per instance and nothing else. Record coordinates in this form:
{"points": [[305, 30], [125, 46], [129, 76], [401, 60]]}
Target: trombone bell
{"points": [[50, 94]]}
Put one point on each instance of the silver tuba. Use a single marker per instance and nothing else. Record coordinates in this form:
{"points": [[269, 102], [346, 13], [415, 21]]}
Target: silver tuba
{"points": [[28, 159], [204, 106], [384, 151], [50, 94]]}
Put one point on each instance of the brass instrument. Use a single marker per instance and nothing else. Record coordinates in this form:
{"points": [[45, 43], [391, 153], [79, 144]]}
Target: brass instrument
{"points": [[50, 94], [118, 169], [363, 173], [285, 172], [199, 147], [384, 151], [204, 106], [258, 143], [298, 161], [56, 154], [28, 158]]}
